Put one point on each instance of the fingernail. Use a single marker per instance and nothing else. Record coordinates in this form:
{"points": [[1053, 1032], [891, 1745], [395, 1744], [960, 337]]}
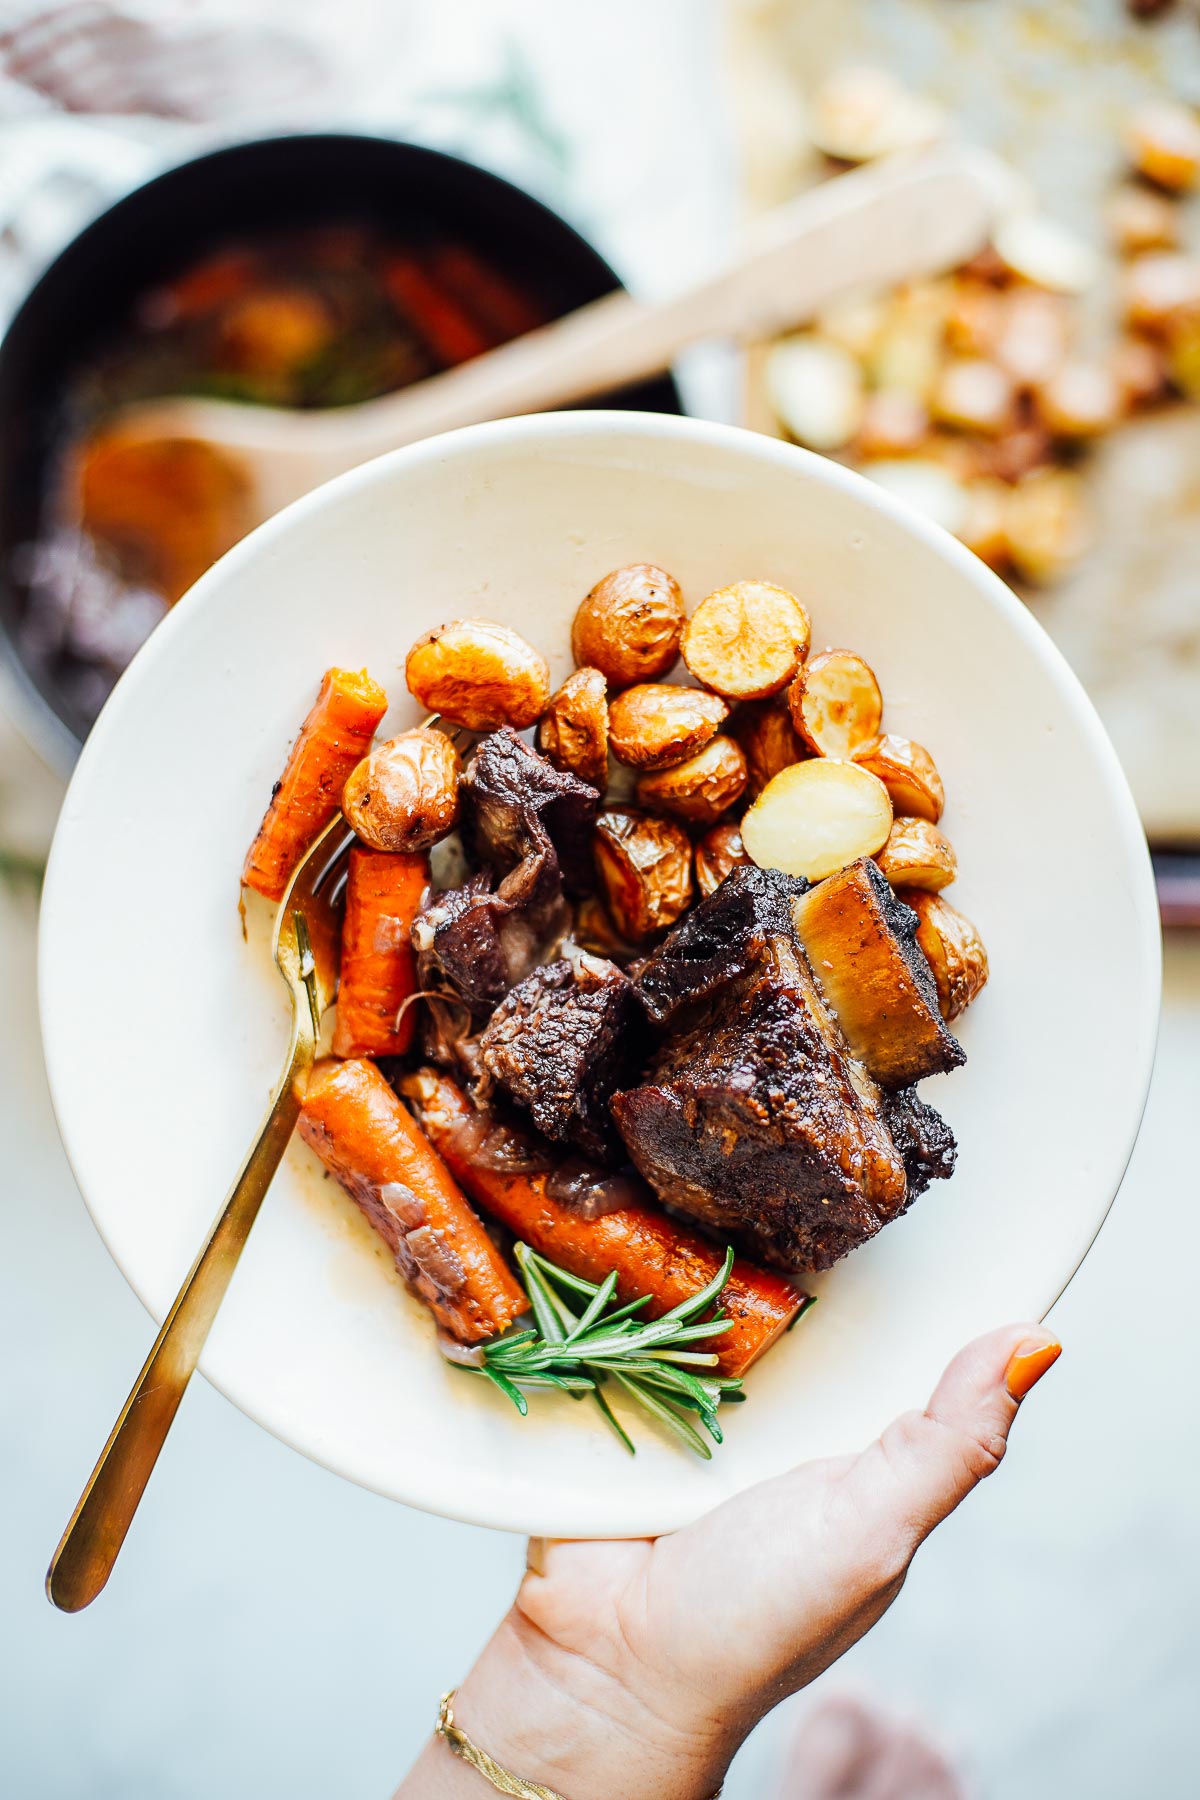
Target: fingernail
{"points": [[1027, 1365]]}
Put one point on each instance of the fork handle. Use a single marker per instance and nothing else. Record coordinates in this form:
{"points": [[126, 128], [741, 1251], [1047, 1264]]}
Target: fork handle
{"points": [[92, 1541]]}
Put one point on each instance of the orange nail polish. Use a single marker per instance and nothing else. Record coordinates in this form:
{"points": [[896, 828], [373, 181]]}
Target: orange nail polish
{"points": [[1025, 1367]]}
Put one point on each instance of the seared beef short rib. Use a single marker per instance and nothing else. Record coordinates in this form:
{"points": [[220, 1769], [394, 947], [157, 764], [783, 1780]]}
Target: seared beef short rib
{"points": [[561, 1043], [754, 1116]]}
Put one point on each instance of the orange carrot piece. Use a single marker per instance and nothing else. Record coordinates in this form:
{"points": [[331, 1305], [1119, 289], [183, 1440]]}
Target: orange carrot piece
{"points": [[334, 737], [649, 1251], [379, 967], [369, 1141], [435, 315], [506, 310]]}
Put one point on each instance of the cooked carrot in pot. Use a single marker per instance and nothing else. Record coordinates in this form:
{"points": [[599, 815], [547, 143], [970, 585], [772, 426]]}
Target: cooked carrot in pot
{"points": [[333, 739], [366, 1138], [448, 330], [649, 1251], [379, 969]]}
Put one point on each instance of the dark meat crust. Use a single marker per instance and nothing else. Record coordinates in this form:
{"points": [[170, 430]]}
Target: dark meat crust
{"points": [[561, 1043], [717, 942], [514, 799], [862, 944], [922, 1137], [755, 1119]]}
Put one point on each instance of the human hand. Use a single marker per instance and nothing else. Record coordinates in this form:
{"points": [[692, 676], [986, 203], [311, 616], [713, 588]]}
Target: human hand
{"points": [[637, 1668]]}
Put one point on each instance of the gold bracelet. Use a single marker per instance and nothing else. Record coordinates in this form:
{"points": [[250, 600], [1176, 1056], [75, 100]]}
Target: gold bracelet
{"points": [[502, 1779]]}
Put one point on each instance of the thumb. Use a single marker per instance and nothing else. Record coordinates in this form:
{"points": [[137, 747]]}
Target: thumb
{"points": [[926, 1462]]}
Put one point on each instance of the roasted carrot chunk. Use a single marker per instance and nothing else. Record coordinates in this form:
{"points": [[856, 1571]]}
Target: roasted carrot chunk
{"points": [[448, 329], [379, 970], [334, 737], [649, 1251], [366, 1138]]}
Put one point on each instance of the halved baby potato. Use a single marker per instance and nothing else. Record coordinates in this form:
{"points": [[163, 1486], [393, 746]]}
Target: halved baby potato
{"points": [[478, 673], [717, 852], [659, 723], [768, 738], [918, 855], [573, 731], [816, 817], [909, 774], [746, 641], [835, 703], [700, 789], [645, 869], [953, 948]]}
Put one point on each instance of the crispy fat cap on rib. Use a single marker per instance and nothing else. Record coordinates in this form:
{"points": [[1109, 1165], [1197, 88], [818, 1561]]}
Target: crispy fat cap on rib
{"points": [[862, 944]]}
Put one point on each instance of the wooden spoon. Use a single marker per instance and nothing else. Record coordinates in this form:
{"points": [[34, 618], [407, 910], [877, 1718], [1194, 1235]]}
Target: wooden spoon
{"points": [[896, 221]]}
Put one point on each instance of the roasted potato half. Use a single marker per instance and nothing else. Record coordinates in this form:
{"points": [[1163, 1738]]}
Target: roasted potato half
{"points": [[918, 855], [953, 949], [404, 795], [477, 673], [630, 624], [701, 788], [747, 641], [817, 817], [659, 723], [909, 774], [573, 731], [835, 703], [718, 851], [645, 868], [768, 738]]}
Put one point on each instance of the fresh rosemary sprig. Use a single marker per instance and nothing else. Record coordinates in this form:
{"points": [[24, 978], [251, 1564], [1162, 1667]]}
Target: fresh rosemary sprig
{"points": [[654, 1362]]}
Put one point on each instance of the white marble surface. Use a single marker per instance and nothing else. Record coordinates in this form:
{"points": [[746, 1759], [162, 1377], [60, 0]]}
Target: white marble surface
{"points": [[272, 1630]]}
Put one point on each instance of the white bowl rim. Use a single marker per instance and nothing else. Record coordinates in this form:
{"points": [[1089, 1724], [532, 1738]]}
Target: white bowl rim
{"points": [[1132, 852]]}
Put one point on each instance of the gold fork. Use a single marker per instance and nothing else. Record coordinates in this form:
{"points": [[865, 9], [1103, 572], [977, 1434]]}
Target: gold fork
{"points": [[306, 952]]}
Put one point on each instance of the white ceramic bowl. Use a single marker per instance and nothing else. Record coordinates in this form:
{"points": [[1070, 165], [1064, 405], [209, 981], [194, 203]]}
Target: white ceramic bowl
{"points": [[164, 1030]]}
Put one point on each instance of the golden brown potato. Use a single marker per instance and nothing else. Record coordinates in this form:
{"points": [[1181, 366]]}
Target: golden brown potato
{"points": [[700, 789], [1159, 288], [1139, 219], [746, 641], [859, 113], [478, 674], [974, 395], [659, 723], [718, 851], [1018, 453], [404, 795], [953, 949], [907, 771], [1045, 254], [918, 855], [645, 868], [835, 703], [1047, 523], [574, 727], [817, 817], [1082, 400], [975, 319], [1163, 141], [768, 738], [630, 624]]}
